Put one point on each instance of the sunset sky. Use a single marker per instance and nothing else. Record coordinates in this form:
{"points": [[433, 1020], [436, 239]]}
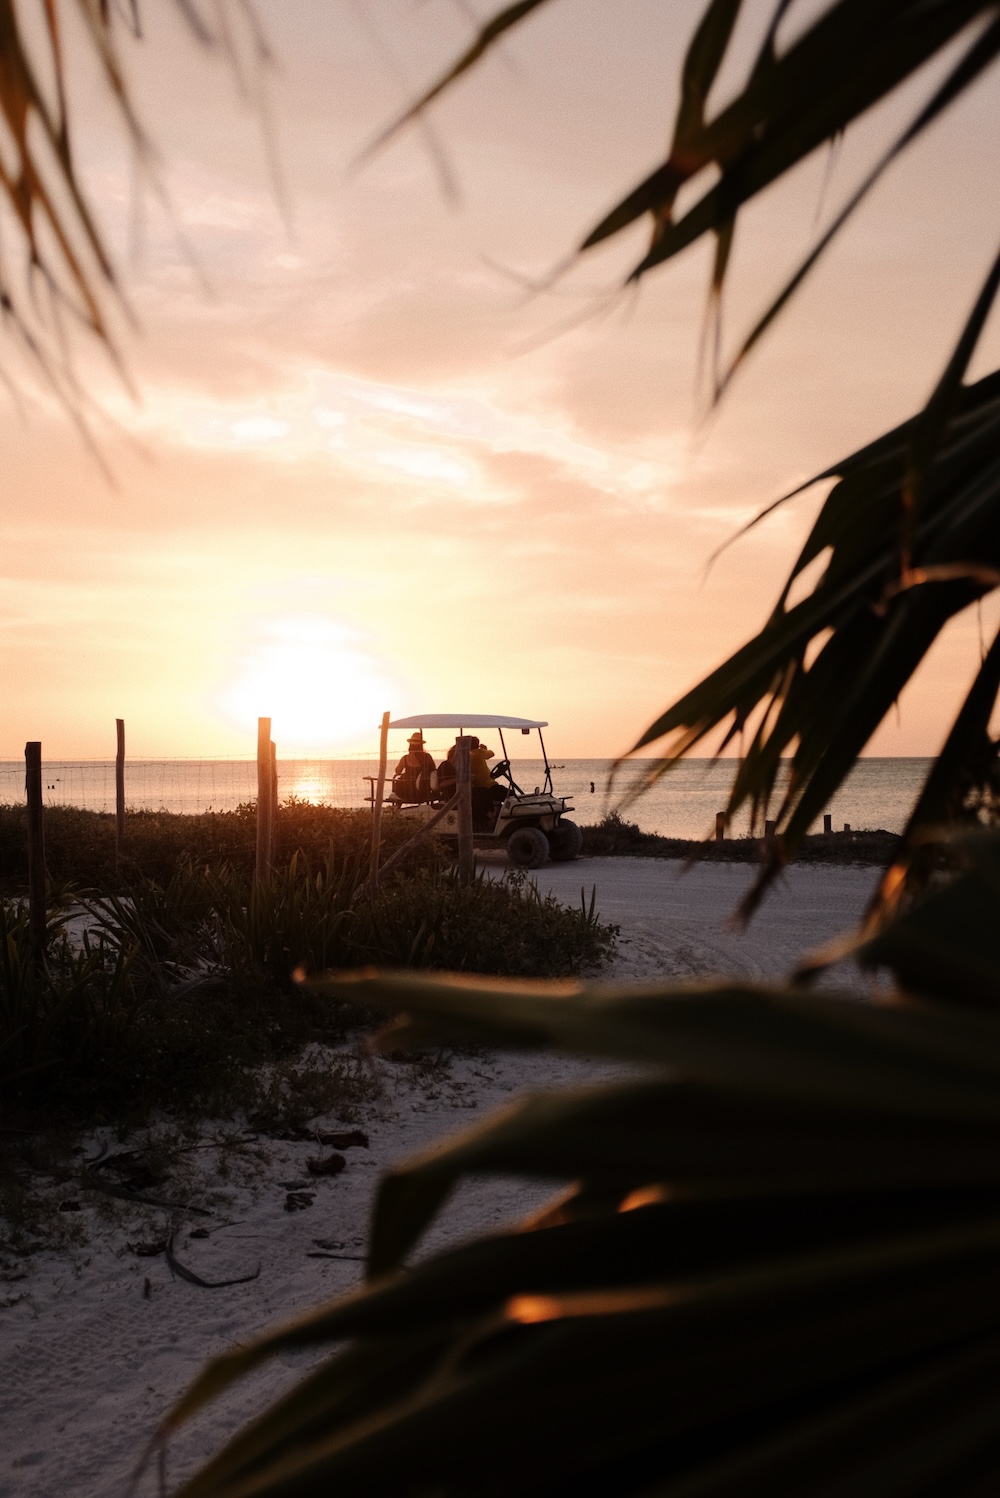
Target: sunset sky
{"points": [[365, 469]]}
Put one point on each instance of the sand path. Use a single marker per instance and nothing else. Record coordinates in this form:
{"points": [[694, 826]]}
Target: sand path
{"points": [[676, 920]]}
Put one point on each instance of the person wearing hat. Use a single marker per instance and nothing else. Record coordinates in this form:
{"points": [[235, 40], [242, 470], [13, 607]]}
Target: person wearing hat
{"points": [[412, 778]]}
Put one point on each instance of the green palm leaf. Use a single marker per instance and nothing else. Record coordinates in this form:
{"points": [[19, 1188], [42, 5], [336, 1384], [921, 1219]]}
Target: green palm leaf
{"points": [[777, 1260], [912, 529]]}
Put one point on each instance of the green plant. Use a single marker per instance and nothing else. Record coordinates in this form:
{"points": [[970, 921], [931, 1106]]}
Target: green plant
{"points": [[614, 836], [80, 844], [71, 1005], [430, 920], [175, 993]]}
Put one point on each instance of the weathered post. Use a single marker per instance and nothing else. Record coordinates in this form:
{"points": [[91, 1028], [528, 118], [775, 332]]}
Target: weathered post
{"points": [[720, 826], [847, 826], [463, 790], [769, 834], [120, 792], [265, 797], [36, 851], [827, 823], [378, 795]]}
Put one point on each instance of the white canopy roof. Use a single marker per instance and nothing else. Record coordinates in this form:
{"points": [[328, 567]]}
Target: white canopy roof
{"points": [[466, 720]]}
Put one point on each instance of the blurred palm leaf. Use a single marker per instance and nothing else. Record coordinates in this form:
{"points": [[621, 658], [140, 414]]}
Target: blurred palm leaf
{"points": [[937, 946], [775, 1268], [842, 63], [61, 275]]}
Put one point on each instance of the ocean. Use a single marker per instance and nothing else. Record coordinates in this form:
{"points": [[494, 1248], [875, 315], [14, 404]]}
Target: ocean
{"points": [[878, 794]]}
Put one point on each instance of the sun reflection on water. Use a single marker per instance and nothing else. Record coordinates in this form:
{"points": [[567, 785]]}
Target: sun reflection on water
{"points": [[308, 785]]}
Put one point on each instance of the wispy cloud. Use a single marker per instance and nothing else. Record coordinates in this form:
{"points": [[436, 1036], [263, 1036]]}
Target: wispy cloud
{"points": [[424, 438]]}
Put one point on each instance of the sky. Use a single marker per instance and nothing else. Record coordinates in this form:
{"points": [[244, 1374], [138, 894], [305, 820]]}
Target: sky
{"points": [[368, 465]]}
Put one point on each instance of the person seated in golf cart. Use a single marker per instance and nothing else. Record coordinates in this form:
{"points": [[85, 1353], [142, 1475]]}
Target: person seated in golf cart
{"points": [[446, 776], [412, 778], [487, 796]]}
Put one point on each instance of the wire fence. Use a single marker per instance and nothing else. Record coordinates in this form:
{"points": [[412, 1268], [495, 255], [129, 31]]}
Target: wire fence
{"points": [[878, 793], [189, 785]]}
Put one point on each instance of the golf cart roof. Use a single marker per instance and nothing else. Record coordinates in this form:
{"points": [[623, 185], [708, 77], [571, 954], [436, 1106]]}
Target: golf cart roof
{"points": [[466, 720]]}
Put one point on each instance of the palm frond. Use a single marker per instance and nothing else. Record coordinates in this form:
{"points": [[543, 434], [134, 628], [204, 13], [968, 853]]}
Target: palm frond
{"points": [[847, 60], [59, 273], [775, 1260], [912, 528]]}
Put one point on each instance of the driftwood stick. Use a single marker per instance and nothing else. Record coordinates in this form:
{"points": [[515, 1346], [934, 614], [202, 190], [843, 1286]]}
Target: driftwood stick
{"points": [[420, 833], [265, 798], [378, 794], [463, 793], [195, 1279], [37, 913], [120, 791]]}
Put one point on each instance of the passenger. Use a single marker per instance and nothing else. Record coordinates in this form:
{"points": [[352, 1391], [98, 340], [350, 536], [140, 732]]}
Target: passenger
{"points": [[478, 758], [446, 776], [487, 796], [412, 779]]}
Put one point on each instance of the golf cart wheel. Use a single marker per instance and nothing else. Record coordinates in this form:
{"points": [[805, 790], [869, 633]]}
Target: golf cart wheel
{"points": [[527, 848], [565, 842]]}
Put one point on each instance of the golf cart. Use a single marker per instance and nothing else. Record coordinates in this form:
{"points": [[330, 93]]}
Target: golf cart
{"points": [[530, 825]]}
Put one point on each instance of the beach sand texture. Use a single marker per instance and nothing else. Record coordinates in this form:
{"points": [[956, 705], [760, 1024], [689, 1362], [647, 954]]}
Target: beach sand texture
{"points": [[90, 1359]]}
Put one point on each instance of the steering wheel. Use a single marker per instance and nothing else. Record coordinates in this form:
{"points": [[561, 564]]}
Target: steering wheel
{"points": [[500, 769]]}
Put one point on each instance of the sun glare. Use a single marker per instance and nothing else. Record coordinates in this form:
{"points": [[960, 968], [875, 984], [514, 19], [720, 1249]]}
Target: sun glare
{"points": [[320, 689]]}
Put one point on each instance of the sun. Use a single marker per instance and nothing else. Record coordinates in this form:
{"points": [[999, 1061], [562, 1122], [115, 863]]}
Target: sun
{"points": [[311, 676]]}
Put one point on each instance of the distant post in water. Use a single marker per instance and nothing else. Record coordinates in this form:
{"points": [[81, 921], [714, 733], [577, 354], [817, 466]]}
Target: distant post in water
{"points": [[720, 826], [378, 796], [463, 790], [36, 851], [265, 797], [120, 792]]}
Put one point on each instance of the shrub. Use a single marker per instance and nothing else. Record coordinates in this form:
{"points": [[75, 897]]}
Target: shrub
{"points": [[616, 837], [80, 845], [177, 991]]}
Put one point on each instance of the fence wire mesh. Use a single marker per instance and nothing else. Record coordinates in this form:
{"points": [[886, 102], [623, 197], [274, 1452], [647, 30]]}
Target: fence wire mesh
{"points": [[189, 785]]}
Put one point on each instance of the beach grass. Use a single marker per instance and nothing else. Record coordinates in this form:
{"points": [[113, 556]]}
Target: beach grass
{"points": [[616, 837], [175, 993]]}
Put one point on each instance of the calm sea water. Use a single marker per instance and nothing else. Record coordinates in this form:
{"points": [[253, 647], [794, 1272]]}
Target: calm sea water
{"points": [[878, 793]]}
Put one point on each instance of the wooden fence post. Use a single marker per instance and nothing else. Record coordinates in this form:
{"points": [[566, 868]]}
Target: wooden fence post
{"points": [[120, 792], [720, 826], [377, 798], [265, 797], [36, 851], [463, 789], [827, 823], [274, 796]]}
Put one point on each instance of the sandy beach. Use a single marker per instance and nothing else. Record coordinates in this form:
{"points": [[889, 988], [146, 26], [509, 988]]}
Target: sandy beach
{"points": [[97, 1339]]}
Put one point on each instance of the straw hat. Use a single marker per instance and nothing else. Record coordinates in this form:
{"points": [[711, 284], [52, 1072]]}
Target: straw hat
{"points": [[416, 738]]}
